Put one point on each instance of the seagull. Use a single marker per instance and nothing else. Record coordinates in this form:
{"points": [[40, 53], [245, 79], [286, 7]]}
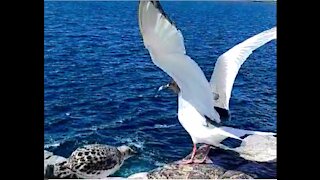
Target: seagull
{"points": [[91, 161], [199, 101]]}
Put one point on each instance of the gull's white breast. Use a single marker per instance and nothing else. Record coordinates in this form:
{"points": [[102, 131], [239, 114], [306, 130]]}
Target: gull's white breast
{"points": [[195, 124]]}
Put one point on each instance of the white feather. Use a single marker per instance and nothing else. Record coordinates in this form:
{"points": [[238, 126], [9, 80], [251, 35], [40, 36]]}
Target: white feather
{"points": [[229, 63], [190, 120], [166, 47]]}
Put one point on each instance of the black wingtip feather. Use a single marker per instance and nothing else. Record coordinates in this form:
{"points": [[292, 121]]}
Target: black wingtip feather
{"points": [[224, 114], [159, 7]]}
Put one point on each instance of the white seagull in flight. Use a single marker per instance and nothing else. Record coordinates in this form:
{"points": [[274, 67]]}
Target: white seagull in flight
{"points": [[197, 98]]}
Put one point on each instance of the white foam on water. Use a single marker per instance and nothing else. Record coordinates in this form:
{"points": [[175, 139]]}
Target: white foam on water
{"points": [[163, 125], [56, 144], [159, 164], [134, 141], [138, 144], [121, 120]]}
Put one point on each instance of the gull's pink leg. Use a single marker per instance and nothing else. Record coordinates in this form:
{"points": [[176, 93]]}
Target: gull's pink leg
{"points": [[192, 156], [205, 155]]}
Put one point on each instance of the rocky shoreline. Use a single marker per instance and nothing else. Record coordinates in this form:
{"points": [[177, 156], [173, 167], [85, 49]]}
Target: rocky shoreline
{"points": [[208, 170], [254, 160]]}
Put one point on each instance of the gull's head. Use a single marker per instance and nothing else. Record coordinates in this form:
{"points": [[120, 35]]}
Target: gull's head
{"points": [[172, 85], [127, 151]]}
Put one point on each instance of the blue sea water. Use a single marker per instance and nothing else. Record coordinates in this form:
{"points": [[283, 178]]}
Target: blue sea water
{"points": [[100, 81]]}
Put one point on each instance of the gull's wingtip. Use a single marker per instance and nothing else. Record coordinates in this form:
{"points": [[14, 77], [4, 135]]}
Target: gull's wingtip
{"points": [[275, 31], [156, 4], [272, 31]]}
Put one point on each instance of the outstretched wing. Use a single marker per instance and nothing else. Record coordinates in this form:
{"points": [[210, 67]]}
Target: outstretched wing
{"points": [[229, 63], [166, 47]]}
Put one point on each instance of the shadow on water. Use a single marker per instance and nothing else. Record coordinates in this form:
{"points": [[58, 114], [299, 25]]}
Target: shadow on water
{"points": [[231, 160]]}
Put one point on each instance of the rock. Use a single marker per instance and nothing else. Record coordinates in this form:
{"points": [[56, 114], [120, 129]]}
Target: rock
{"points": [[195, 171], [53, 167], [50, 159], [47, 154], [141, 175], [115, 178], [208, 170], [264, 170], [54, 159], [231, 174], [255, 158], [175, 171]]}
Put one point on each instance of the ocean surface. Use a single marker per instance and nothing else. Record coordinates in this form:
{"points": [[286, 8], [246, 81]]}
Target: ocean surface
{"points": [[100, 82]]}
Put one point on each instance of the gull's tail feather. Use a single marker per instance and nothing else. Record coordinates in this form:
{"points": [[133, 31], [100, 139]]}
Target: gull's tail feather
{"points": [[224, 134], [242, 132], [229, 132]]}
